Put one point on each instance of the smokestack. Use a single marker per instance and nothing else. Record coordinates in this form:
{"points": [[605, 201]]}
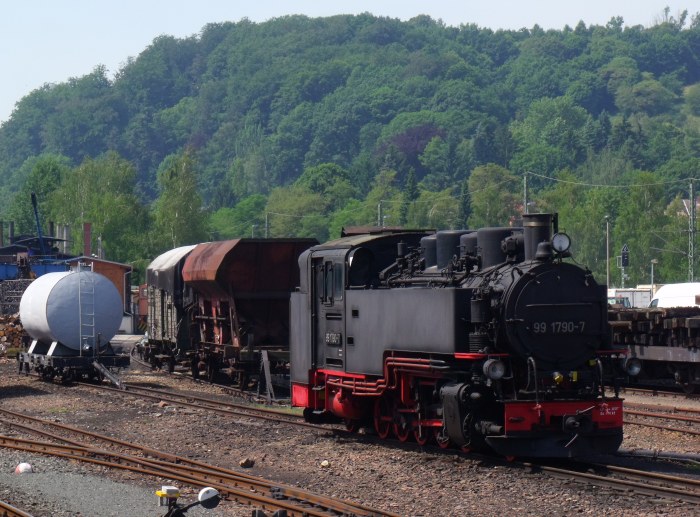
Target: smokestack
{"points": [[2, 233], [52, 229], [87, 239], [12, 232], [537, 228]]}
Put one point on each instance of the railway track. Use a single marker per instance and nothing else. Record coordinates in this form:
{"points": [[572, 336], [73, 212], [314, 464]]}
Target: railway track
{"points": [[215, 406], [7, 510], [659, 392], [670, 414], [614, 477], [246, 489], [653, 484], [244, 394]]}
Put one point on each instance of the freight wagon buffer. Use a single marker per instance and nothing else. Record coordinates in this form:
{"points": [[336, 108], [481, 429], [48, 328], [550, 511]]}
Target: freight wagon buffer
{"points": [[241, 320]]}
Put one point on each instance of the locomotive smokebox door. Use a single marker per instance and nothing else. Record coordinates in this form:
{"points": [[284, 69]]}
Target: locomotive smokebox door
{"points": [[329, 277], [556, 315]]}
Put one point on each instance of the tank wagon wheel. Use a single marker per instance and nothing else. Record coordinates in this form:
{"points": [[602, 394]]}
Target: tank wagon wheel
{"points": [[383, 419], [420, 434], [67, 377], [441, 438]]}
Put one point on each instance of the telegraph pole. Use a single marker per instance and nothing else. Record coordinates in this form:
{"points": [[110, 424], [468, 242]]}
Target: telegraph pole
{"points": [[691, 233], [525, 201], [607, 250]]}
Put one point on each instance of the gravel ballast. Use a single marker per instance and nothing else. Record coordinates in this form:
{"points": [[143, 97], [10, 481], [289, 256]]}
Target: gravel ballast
{"points": [[406, 480]]}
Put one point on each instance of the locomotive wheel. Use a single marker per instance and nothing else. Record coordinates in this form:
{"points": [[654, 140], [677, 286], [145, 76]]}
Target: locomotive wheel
{"points": [[690, 389], [352, 425], [382, 417], [402, 430], [441, 439], [420, 434]]}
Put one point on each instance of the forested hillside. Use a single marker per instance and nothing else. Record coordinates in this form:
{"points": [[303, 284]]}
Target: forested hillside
{"points": [[301, 126]]}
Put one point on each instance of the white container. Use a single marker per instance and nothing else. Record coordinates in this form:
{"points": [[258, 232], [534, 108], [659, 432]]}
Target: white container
{"points": [[50, 308]]}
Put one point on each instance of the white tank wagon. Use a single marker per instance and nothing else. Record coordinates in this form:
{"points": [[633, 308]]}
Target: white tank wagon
{"points": [[51, 310], [71, 317]]}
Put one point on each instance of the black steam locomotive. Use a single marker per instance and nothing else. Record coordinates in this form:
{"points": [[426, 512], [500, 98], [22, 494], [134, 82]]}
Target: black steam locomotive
{"points": [[476, 339]]}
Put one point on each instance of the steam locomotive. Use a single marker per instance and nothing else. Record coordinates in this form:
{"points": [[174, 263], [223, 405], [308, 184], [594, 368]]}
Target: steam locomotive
{"points": [[475, 339]]}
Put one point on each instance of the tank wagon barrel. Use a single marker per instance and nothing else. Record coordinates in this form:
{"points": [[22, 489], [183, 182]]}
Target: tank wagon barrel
{"points": [[71, 317]]}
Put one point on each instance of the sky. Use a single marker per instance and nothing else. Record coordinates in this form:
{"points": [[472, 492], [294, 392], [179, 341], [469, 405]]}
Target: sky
{"points": [[50, 41]]}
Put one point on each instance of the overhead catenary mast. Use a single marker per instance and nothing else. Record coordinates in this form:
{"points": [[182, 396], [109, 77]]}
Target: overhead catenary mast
{"points": [[691, 233]]}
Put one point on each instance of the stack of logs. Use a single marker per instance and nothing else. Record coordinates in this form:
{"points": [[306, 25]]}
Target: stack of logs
{"points": [[11, 292], [11, 332], [674, 326]]}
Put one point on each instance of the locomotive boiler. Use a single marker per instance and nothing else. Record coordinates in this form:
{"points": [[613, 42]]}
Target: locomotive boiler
{"points": [[479, 339]]}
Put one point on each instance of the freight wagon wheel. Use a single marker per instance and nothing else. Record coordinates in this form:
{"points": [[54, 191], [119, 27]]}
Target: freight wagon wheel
{"points": [[441, 437], [382, 417], [420, 434]]}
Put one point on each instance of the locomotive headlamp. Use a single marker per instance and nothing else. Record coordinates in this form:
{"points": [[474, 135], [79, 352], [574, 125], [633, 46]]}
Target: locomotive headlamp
{"points": [[494, 369], [561, 242], [633, 366], [558, 377]]}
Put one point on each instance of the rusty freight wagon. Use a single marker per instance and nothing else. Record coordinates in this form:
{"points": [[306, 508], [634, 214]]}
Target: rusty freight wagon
{"points": [[242, 289], [167, 339]]}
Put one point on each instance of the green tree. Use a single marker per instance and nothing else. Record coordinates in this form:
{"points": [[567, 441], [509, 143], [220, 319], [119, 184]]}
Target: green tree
{"points": [[437, 210], [101, 191], [493, 203], [45, 175], [692, 99], [465, 205], [296, 212], [409, 195], [236, 222], [178, 214]]}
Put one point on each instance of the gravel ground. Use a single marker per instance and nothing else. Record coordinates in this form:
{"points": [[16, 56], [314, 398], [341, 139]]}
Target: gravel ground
{"points": [[405, 480]]}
